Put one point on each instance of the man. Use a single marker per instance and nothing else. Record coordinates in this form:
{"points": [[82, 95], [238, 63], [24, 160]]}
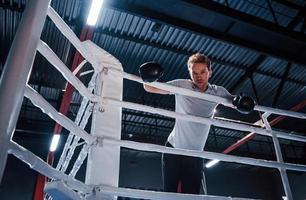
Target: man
{"points": [[189, 135]]}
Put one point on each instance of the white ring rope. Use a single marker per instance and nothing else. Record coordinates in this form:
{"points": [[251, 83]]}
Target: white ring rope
{"points": [[209, 121], [209, 97], [64, 121], [279, 158], [39, 165], [42, 167], [47, 52], [76, 139], [70, 152], [202, 154], [147, 194], [66, 30], [78, 163], [72, 141], [83, 47], [83, 114], [64, 156]]}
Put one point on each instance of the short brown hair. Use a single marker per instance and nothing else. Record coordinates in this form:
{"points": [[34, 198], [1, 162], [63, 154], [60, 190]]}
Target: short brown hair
{"points": [[199, 58]]}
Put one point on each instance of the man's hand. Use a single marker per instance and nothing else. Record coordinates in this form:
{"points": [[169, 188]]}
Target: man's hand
{"points": [[150, 71], [244, 104]]}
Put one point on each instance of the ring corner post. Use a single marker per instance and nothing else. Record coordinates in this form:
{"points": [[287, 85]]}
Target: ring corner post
{"points": [[16, 71], [104, 160]]}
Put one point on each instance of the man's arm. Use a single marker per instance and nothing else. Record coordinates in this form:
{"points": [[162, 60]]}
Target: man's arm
{"points": [[155, 90]]}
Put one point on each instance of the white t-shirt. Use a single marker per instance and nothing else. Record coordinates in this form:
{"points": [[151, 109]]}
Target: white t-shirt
{"points": [[193, 135]]}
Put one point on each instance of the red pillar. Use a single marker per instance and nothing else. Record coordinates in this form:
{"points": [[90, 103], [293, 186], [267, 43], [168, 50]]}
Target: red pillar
{"points": [[86, 34]]}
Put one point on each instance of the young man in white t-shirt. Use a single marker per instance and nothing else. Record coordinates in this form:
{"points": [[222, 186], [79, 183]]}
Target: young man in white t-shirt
{"points": [[189, 135]]}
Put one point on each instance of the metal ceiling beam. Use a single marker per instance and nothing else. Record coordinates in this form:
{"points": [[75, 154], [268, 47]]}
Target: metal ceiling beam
{"points": [[289, 4], [297, 19], [281, 84], [264, 27], [260, 59], [247, 18], [255, 90], [272, 12]]}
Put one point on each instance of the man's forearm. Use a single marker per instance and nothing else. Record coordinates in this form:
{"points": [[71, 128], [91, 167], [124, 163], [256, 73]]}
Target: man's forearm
{"points": [[155, 90]]}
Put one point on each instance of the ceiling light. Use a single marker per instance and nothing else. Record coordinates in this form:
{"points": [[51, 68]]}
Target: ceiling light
{"points": [[54, 142], [94, 12], [211, 163]]}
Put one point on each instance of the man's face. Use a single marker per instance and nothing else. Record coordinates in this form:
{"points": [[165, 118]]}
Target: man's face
{"points": [[199, 74]]}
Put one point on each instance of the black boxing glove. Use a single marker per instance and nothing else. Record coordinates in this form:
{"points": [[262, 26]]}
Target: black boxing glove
{"points": [[244, 104], [150, 71]]}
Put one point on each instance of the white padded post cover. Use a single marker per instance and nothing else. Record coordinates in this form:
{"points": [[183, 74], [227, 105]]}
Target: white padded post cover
{"points": [[103, 162]]}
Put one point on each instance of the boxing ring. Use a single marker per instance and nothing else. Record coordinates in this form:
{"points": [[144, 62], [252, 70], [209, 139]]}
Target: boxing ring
{"points": [[102, 99]]}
